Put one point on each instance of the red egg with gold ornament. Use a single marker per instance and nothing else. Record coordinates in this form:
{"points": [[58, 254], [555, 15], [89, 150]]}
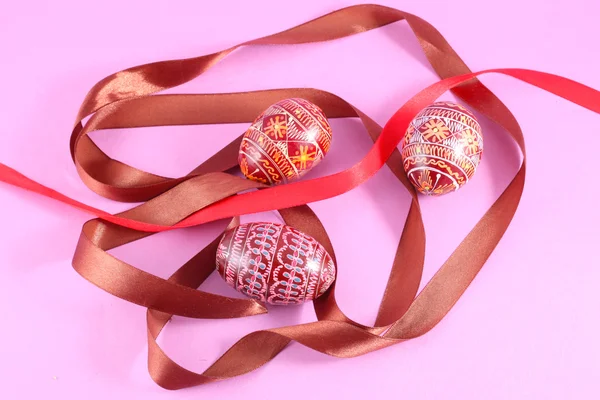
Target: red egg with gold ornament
{"points": [[442, 148], [285, 142]]}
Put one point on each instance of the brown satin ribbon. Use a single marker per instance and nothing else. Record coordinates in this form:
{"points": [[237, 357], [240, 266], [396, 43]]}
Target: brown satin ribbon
{"points": [[123, 100]]}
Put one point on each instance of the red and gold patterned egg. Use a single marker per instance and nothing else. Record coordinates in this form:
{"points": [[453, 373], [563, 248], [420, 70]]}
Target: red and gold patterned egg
{"points": [[442, 148], [287, 140], [274, 263]]}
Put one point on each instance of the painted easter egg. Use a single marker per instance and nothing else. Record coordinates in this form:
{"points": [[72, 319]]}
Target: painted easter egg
{"points": [[287, 140], [274, 263], [442, 148]]}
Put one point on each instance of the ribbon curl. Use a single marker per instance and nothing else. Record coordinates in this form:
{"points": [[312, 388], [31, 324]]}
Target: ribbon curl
{"points": [[126, 99]]}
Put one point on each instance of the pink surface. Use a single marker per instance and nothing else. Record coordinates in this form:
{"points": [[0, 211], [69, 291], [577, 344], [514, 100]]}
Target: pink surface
{"points": [[528, 326]]}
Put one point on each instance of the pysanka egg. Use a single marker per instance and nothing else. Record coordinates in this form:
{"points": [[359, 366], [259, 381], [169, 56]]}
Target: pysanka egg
{"points": [[284, 142], [442, 148], [274, 263]]}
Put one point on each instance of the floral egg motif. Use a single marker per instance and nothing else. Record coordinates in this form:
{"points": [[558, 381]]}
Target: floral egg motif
{"points": [[274, 263], [442, 148], [287, 140]]}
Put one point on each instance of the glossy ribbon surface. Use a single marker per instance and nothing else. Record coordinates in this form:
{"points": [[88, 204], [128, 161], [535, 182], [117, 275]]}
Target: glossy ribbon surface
{"points": [[126, 99]]}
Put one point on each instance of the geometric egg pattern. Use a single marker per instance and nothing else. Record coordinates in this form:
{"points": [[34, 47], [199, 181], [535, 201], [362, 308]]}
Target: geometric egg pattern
{"points": [[442, 148], [285, 142]]}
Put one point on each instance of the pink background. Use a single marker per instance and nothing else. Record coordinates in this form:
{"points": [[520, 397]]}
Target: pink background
{"points": [[527, 328]]}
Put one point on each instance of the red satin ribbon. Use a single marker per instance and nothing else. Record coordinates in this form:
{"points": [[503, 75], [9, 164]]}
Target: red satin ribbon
{"points": [[308, 191], [207, 194]]}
